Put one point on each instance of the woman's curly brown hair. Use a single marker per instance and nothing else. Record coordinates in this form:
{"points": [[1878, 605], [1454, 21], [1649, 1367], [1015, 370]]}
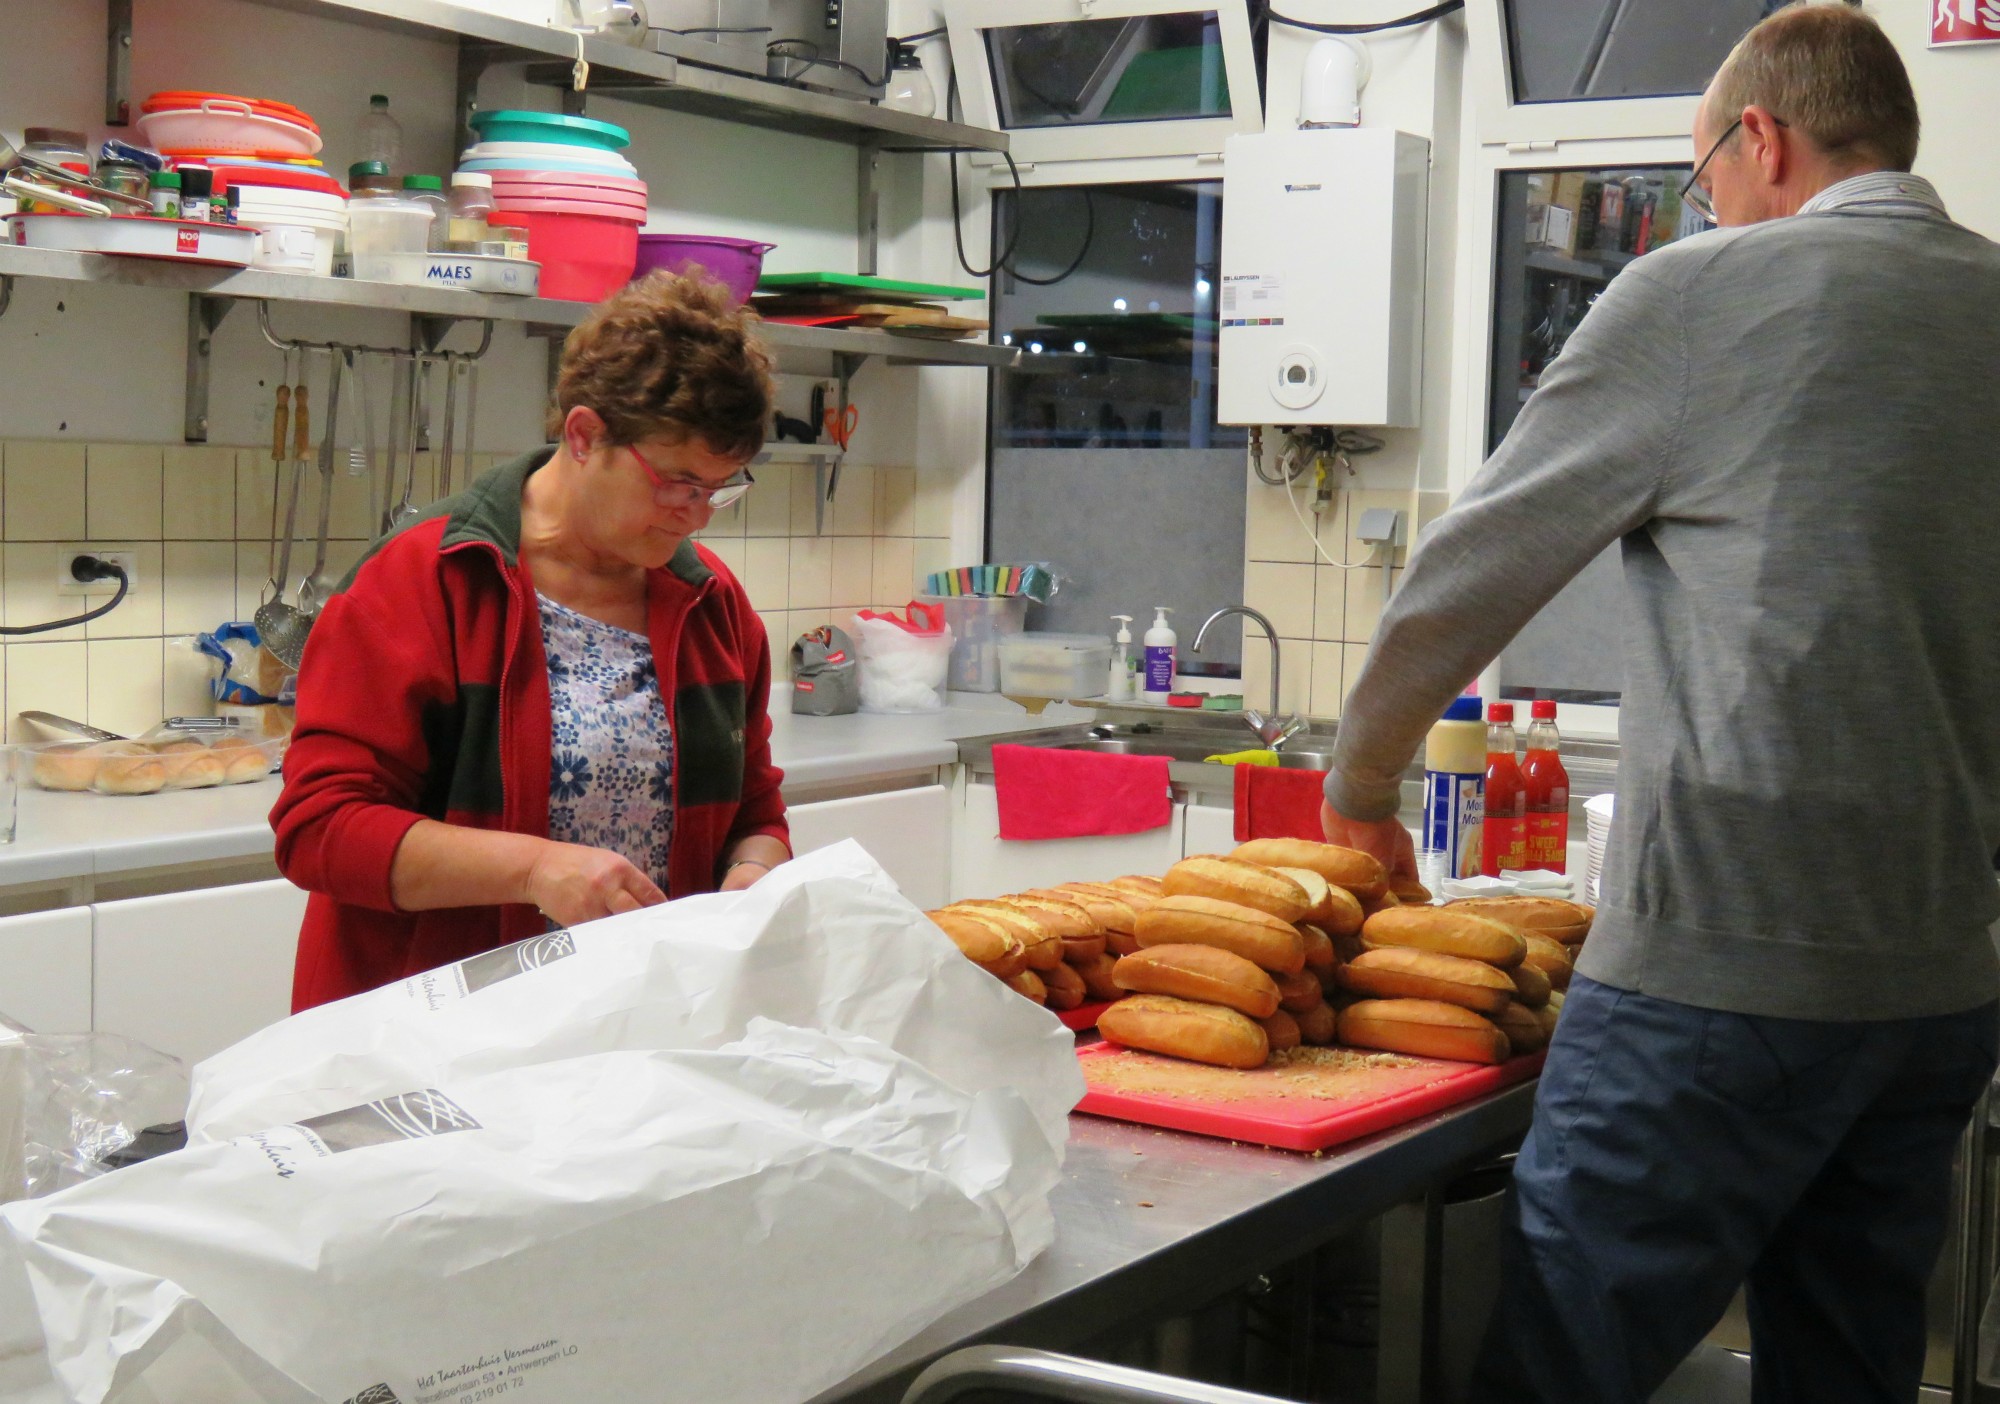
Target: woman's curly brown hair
{"points": [[669, 355]]}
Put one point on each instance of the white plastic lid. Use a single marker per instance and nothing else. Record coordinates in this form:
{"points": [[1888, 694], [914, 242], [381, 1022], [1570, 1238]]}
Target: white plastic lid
{"points": [[477, 178]]}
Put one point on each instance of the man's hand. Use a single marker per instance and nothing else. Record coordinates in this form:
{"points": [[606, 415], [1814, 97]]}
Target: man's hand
{"points": [[570, 883], [1386, 839]]}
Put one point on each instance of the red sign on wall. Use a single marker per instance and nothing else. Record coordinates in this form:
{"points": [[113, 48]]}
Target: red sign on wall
{"points": [[1965, 22]]}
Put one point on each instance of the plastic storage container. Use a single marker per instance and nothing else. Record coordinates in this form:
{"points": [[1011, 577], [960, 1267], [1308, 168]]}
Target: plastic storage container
{"points": [[1054, 665], [429, 190], [145, 768], [387, 226], [978, 623], [584, 257]]}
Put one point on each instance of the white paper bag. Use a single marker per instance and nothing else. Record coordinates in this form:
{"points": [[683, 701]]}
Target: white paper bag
{"points": [[824, 942], [749, 1224]]}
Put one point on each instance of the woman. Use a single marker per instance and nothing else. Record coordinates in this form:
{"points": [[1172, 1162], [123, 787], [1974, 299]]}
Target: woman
{"points": [[542, 702]]}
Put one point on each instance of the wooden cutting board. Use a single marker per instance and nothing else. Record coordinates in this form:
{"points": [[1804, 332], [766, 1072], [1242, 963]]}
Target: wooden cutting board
{"points": [[1324, 1097]]}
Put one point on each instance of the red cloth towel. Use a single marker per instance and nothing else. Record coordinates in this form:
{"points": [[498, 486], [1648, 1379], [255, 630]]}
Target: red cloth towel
{"points": [[1276, 803], [1046, 794]]}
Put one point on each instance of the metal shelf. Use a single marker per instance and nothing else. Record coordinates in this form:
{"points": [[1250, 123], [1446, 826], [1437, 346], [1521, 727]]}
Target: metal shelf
{"points": [[660, 79]]}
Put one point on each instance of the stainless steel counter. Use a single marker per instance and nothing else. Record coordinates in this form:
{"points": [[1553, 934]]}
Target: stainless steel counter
{"points": [[1152, 1223]]}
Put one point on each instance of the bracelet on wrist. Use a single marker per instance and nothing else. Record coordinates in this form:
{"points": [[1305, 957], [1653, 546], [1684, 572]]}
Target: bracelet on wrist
{"points": [[746, 862]]}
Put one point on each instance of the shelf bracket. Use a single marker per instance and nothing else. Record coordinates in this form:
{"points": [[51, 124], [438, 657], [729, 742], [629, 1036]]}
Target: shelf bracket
{"points": [[6, 293], [868, 209], [205, 314], [118, 63]]}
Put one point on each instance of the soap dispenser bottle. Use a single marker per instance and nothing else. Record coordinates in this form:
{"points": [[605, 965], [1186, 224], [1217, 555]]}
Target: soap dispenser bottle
{"points": [[1118, 684], [1160, 645]]}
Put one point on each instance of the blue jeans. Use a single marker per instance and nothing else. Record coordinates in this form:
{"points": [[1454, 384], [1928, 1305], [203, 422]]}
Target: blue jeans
{"points": [[1678, 1152]]}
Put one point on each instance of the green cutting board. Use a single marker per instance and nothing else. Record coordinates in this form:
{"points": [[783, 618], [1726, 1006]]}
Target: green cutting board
{"points": [[877, 289]]}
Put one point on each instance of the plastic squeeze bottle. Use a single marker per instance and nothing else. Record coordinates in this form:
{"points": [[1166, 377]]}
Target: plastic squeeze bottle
{"points": [[1118, 684], [1547, 785], [1503, 834], [1454, 791], [1161, 642]]}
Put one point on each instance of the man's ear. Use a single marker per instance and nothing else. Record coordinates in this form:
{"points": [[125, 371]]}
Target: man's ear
{"points": [[1764, 143]]}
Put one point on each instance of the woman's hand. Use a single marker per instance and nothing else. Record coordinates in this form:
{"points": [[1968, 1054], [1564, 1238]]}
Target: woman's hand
{"points": [[1385, 839], [570, 884], [742, 873]]}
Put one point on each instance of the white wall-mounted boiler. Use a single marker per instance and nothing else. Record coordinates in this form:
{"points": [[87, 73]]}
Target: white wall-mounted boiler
{"points": [[1322, 295]]}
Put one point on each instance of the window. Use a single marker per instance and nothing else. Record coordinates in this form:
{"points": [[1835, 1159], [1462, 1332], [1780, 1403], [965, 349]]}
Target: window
{"points": [[1104, 457], [1561, 237], [1567, 50]]}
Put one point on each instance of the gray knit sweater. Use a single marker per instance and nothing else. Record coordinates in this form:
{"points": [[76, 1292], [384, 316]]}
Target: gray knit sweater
{"points": [[1795, 428]]}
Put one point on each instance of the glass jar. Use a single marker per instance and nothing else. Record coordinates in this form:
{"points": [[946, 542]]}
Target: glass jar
{"points": [[57, 145], [428, 191], [510, 232], [126, 177], [471, 205]]}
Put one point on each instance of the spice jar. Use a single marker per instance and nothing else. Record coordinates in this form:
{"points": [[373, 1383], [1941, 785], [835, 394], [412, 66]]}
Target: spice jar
{"points": [[164, 191], [126, 177]]}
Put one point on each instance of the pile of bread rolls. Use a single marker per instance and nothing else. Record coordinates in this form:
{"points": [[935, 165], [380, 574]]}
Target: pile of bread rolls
{"points": [[146, 767], [1054, 945]]}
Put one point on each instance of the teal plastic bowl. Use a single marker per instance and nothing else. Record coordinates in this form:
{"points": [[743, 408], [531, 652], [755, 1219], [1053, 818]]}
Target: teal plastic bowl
{"points": [[550, 127]]}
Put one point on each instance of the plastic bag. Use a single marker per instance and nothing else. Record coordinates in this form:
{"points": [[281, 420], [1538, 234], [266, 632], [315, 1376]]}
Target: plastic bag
{"points": [[71, 1103], [825, 941], [745, 1224], [903, 659]]}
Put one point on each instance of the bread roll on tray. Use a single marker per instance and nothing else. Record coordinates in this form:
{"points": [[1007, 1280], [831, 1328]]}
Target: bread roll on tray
{"points": [[1400, 972], [1245, 884], [982, 941], [1297, 994], [1204, 973], [247, 760], [1319, 948], [1112, 909], [1281, 1030], [1258, 937], [1030, 984], [1568, 922], [1522, 1028], [1333, 908], [1423, 1028], [1141, 886], [1350, 868], [1549, 956], [1066, 988], [191, 765], [1318, 1025], [1042, 944], [1097, 977], [1201, 1033], [1531, 986], [128, 768], [66, 768], [1448, 932]]}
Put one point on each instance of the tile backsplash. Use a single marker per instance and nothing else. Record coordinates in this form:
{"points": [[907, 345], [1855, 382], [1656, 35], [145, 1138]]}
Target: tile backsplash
{"points": [[198, 520]]}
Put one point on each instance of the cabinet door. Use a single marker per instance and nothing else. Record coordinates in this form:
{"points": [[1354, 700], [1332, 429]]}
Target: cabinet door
{"points": [[1210, 829], [45, 970], [907, 831], [193, 972], [985, 865]]}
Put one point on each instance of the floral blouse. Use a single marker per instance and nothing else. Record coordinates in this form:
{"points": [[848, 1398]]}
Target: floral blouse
{"points": [[611, 762]]}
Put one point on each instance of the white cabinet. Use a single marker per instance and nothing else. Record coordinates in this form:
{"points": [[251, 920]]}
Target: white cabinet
{"points": [[985, 865], [1210, 829], [193, 972], [45, 970], [907, 831]]}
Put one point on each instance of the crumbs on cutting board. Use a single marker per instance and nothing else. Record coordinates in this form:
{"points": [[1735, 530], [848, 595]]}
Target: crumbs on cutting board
{"points": [[1308, 1074]]}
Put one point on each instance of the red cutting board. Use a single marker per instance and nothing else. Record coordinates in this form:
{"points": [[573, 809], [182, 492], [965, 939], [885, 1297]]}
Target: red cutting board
{"points": [[1084, 1016], [1184, 1096]]}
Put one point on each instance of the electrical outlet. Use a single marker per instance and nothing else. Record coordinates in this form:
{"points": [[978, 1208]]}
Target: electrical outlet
{"points": [[68, 584]]}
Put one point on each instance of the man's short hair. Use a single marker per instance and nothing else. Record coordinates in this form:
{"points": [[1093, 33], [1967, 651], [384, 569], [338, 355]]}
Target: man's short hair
{"points": [[1830, 72]]}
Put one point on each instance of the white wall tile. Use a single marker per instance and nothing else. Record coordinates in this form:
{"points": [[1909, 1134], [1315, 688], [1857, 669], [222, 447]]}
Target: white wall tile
{"points": [[122, 491], [43, 490], [47, 677], [1327, 694], [356, 513], [127, 684], [1270, 531], [767, 572], [28, 591], [1295, 664], [199, 493], [1364, 604], [931, 556], [895, 572], [805, 492], [767, 507], [728, 524], [812, 573], [895, 502], [186, 676], [1352, 656], [853, 505], [1282, 592], [727, 550], [140, 613], [257, 482], [1330, 586], [853, 583], [933, 504]]}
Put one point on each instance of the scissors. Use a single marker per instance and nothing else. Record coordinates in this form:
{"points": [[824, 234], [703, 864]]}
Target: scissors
{"points": [[841, 423]]}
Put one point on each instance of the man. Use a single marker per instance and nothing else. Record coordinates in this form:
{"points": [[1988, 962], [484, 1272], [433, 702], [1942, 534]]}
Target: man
{"points": [[1786, 1008]]}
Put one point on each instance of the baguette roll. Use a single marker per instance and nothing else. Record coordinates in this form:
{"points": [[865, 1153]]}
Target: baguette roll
{"points": [[1318, 1025], [1410, 892], [1097, 977], [1401, 972], [1334, 908], [66, 768], [1245, 884], [1076, 948], [1029, 984], [128, 768], [1299, 993], [1524, 1031], [1329, 980], [1063, 916], [1203, 973], [1281, 1030], [1346, 948], [1141, 886], [1258, 937], [1111, 908], [1066, 988], [1372, 905], [1042, 945], [1448, 932], [1531, 986], [247, 760], [191, 765], [1567, 922], [1319, 948], [1120, 943], [1201, 1033], [1547, 1015], [985, 943], [1549, 956], [1350, 868], [1423, 1028]]}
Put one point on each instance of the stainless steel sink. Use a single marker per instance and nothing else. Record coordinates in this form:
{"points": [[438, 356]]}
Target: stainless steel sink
{"points": [[1182, 748]]}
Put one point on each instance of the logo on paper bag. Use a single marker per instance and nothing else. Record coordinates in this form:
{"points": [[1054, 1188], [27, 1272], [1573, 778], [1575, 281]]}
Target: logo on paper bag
{"points": [[187, 241], [491, 967], [375, 1394], [413, 1116]]}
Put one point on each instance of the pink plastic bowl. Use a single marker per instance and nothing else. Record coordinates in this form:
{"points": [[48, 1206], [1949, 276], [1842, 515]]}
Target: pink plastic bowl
{"points": [[735, 263], [636, 214], [584, 257], [623, 184]]}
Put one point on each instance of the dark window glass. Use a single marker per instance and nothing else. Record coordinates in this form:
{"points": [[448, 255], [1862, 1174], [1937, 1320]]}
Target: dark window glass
{"points": [[1565, 50], [1562, 237], [1095, 71]]}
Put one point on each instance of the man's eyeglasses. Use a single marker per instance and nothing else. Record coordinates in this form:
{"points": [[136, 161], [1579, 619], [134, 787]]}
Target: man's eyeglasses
{"points": [[1694, 193], [685, 492]]}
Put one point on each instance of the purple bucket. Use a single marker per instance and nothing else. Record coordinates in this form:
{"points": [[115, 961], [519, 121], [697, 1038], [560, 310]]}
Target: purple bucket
{"points": [[735, 263]]}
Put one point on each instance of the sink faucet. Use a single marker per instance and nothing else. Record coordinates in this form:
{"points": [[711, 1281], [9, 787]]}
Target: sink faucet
{"points": [[1267, 726]]}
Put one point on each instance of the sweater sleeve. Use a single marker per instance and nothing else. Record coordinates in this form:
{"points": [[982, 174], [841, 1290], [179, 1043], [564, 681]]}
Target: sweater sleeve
{"points": [[378, 664], [762, 808], [1582, 467]]}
